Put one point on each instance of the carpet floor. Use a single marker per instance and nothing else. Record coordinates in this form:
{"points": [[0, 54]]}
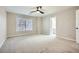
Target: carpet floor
{"points": [[39, 44]]}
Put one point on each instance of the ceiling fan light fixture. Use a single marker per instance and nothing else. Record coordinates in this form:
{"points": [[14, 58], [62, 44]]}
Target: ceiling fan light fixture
{"points": [[38, 12]]}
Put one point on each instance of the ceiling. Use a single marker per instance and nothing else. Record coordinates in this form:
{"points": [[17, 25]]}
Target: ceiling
{"points": [[26, 10]]}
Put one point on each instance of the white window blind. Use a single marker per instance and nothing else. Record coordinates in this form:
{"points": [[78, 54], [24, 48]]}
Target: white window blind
{"points": [[23, 24]]}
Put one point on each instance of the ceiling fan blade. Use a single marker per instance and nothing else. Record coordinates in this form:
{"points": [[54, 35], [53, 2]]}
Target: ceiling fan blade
{"points": [[33, 11], [41, 12], [40, 7]]}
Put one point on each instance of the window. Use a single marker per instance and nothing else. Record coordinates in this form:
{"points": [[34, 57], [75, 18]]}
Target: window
{"points": [[53, 25], [23, 24]]}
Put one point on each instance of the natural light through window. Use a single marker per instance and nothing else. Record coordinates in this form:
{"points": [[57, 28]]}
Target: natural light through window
{"points": [[53, 25], [23, 24]]}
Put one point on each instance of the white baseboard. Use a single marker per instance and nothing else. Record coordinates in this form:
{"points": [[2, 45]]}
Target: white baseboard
{"points": [[65, 38], [21, 35], [77, 45]]}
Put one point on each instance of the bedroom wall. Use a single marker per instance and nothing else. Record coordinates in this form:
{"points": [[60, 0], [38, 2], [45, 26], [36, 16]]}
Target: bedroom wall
{"points": [[2, 25], [46, 25], [11, 25], [66, 22], [39, 25]]}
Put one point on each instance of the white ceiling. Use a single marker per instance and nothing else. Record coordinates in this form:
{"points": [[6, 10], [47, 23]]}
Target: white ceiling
{"points": [[26, 10]]}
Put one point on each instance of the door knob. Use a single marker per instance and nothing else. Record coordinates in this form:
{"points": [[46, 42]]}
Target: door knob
{"points": [[76, 27]]}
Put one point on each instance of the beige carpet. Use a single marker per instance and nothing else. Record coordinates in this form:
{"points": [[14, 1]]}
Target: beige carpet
{"points": [[38, 44]]}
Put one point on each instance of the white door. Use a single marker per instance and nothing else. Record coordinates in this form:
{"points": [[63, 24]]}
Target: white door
{"points": [[77, 26]]}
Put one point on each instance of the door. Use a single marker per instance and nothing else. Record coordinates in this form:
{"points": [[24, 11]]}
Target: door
{"points": [[77, 26]]}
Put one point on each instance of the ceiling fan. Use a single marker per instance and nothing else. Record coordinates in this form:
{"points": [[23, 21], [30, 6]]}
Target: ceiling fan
{"points": [[38, 10]]}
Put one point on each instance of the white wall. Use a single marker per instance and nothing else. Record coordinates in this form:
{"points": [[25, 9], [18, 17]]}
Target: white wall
{"points": [[66, 22], [39, 25], [2, 25], [11, 25], [46, 25]]}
